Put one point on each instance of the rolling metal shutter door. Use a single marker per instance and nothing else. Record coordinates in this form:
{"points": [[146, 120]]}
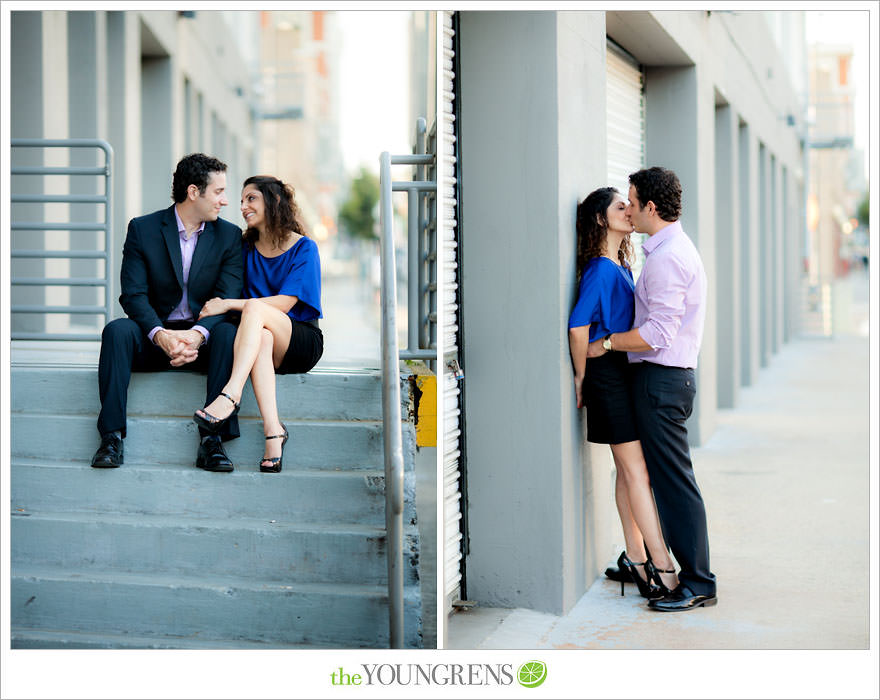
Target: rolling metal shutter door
{"points": [[452, 538], [625, 130], [626, 117]]}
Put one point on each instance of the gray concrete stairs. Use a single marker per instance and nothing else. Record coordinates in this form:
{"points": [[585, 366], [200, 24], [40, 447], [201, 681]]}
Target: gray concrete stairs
{"points": [[160, 554]]}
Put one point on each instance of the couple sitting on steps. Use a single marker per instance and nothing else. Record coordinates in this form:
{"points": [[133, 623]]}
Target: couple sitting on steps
{"points": [[200, 294]]}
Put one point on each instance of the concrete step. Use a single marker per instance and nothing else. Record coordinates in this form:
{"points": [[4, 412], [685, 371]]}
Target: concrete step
{"points": [[161, 440], [259, 549], [24, 638], [355, 496], [204, 608], [318, 395]]}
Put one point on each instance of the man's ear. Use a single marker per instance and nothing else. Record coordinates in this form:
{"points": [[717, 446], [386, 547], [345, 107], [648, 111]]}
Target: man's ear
{"points": [[192, 192]]}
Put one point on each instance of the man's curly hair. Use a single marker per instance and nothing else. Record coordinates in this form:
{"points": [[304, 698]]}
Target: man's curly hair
{"points": [[194, 169], [660, 186]]}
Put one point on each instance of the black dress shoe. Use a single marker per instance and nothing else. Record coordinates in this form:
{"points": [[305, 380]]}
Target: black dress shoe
{"points": [[211, 456], [110, 453], [681, 599]]}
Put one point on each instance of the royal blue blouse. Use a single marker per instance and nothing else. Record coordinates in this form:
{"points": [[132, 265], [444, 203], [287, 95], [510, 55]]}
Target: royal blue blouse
{"points": [[296, 272], [605, 299]]}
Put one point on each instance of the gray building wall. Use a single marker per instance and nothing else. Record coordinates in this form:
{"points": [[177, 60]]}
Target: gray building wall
{"points": [[541, 512], [119, 76]]}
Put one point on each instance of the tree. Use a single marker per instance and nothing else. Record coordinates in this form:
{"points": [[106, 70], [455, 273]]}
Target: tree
{"points": [[356, 214], [863, 211]]}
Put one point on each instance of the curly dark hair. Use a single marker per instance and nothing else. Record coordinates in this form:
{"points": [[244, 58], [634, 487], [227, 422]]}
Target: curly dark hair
{"points": [[194, 169], [282, 213], [660, 186], [592, 229]]}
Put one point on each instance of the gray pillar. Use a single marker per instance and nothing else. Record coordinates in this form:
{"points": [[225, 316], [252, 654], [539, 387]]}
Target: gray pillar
{"points": [[750, 280], [765, 248], [87, 114], [156, 136], [781, 222], [26, 121], [124, 130], [532, 145], [680, 120], [792, 205], [776, 259], [728, 275]]}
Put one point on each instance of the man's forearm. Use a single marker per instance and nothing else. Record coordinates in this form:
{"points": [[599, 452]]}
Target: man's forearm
{"points": [[631, 341]]}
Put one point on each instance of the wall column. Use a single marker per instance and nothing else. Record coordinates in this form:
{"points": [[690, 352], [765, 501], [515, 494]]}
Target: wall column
{"points": [[532, 125], [680, 136], [26, 121], [727, 230], [123, 131]]}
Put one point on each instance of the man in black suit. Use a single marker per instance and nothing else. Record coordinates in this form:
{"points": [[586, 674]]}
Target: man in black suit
{"points": [[173, 261]]}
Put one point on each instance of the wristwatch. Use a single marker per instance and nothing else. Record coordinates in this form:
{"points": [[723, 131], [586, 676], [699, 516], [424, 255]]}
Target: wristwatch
{"points": [[607, 342]]}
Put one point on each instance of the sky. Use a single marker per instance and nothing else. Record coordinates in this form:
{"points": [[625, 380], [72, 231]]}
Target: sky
{"points": [[374, 86]]}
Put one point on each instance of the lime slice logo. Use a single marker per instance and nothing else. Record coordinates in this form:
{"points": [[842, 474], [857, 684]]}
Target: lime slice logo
{"points": [[532, 673]]}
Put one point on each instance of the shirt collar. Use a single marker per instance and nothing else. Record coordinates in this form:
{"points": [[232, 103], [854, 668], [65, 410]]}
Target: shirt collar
{"points": [[181, 229], [663, 235]]}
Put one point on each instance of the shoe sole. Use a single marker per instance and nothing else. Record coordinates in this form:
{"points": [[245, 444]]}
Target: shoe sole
{"points": [[214, 428], [220, 469], [705, 604], [108, 466]]}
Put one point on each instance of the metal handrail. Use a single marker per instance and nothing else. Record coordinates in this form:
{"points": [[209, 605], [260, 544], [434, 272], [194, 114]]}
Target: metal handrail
{"points": [[393, 439], [107, 254], [391, 353]]}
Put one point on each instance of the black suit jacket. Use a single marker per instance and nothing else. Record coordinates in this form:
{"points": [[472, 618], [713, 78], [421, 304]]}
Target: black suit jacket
{"points": [[152, 269]]}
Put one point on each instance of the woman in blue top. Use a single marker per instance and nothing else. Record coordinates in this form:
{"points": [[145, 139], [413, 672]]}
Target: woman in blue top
{"points": [[605, 305], [278, 332]]}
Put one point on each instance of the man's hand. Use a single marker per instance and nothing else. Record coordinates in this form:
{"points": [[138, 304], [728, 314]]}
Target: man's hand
{"points": [[180, 346], [214, 307], [595, 349]]}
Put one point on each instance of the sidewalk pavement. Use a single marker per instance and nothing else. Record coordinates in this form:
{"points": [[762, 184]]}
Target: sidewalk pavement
{"points": [[785, 478]]}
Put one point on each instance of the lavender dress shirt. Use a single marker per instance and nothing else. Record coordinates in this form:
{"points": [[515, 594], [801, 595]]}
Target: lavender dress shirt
{"points": [[670, 299], [187, 248]]}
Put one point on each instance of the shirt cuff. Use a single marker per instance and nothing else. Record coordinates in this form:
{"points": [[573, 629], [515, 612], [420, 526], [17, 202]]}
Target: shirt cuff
{"points": [[153, 332], [202, 330]]}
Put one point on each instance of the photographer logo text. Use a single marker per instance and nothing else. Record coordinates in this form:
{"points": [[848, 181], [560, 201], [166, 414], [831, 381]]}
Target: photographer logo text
{"points": [[531, 674]]}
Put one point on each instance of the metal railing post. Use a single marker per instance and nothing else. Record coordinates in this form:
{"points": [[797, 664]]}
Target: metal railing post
{"points": [[393, 441]]}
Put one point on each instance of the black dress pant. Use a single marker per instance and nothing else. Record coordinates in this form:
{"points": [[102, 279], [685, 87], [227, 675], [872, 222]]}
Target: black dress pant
{"points": [[663, 398], [125, 348]]}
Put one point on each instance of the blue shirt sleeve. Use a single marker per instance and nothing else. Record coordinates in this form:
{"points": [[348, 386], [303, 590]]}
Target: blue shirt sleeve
{"points": [[586, 310], [303, 280]]}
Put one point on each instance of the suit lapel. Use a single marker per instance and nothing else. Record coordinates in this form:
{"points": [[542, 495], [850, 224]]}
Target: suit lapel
{"points": [[203, 247], [172, 242]]}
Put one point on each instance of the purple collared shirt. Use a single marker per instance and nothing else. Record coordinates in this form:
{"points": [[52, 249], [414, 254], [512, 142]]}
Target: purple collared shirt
{"points": [[670, 299], [187, 248]]}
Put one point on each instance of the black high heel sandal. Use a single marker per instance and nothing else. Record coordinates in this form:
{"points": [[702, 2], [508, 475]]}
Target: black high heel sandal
{"points": [[275, 465], [646, 588], [212, 424], [619, 573], [653, 574]]}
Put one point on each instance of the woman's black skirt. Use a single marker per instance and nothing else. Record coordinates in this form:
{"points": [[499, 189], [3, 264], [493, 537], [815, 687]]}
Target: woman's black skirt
{"points": [[610, 417], [305, 349]]}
